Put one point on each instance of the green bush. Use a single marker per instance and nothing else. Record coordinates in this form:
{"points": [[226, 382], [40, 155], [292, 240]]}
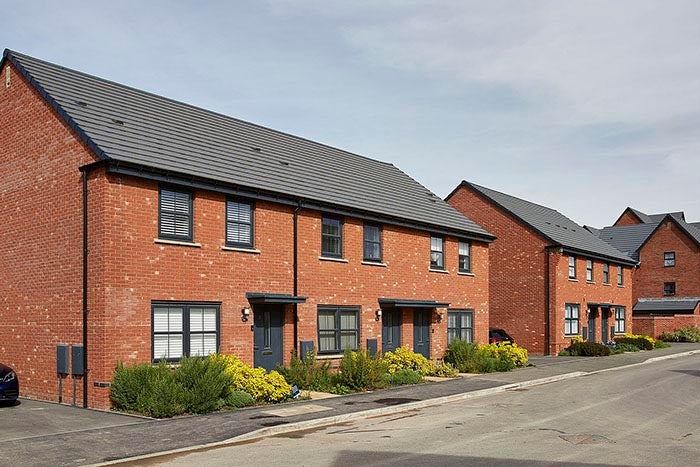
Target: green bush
{"points": [[471, 358], [441, 369], [405, 359], [622, 347], [686, 334], [146, 389], [564, 353], [589, 349], [659, 344], [204, 384], [360, 371], [641, 342], [402, 377], [310, 374], [263, 386], [238, 400]]}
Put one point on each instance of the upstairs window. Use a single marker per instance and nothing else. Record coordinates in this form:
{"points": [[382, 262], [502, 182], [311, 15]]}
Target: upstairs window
{"points": [[572, 267], [669, 259], [620, 277], [589, 270], [239, 223], [437, 253], [669, 288], [465, 262], [331, 236], [175, 214], [606, 273], [372, 243]]}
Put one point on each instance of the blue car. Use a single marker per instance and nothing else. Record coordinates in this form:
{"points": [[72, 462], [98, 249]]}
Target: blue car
{"points": [[9, 384]]}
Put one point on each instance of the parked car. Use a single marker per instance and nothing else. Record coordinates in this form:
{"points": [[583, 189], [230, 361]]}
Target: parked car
{"points": [[9, 384], [496, 336]]}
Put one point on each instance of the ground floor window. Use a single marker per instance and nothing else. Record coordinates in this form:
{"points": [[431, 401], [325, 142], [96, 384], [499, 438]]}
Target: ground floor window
{"points": [[184, 329], [571, 319], [338, 328], [620, 320], [460, 325]]}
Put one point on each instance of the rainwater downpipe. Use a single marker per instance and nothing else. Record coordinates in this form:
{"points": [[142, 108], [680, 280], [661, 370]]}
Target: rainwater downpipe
{"points": [[296, 274], [84, 171]]}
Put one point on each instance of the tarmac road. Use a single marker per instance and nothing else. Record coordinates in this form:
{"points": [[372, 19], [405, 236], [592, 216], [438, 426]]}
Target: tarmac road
{"points": [[642, 415]]}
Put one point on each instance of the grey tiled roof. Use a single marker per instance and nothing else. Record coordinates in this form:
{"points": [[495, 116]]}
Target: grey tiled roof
{"points": [[555, 226], [627, 238], [644, 217], [669, 305], [679, 215], [141, 129]]}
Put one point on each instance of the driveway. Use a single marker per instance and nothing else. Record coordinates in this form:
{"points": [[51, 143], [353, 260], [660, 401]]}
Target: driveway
{"points": [[34, 419]]}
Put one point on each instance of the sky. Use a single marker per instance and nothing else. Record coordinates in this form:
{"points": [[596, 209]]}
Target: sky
{"points": [[584, 106]]}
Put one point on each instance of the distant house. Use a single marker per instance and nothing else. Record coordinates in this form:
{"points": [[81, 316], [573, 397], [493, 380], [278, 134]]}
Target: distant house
{"points": [[550, 278], [666, 288], [147, 229]]}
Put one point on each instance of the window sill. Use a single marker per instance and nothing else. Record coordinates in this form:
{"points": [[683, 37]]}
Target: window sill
{"points": [[573, 280], [590, 282], [241, 250], [333, 356], [471, 274], [441, 271], [334, 260], [606, 284], [374, 263], [621, 286], [176, 242]]}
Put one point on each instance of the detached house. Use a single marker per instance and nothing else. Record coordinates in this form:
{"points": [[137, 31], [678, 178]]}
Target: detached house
{"points": [[666, 289], [144, 229], [550, 278]]}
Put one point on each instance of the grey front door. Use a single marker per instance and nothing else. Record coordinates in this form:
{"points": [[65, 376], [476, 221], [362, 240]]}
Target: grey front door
{"points": [[267, 336], [421, 332], [391, 330], [604, 324], [591, 324]]}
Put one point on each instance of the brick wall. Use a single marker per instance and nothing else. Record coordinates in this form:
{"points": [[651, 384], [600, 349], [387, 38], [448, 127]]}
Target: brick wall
{"points": [[649, 279], [654, 326], [519, 264], [627, 218], [41, 251]]}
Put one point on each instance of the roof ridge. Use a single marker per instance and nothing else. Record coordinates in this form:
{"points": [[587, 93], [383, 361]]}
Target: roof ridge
{"points": [[515, 197], [192, 106]]}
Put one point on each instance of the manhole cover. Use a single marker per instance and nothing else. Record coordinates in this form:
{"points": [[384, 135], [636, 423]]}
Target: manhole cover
{"points": [[586, 439], [395, 400]]}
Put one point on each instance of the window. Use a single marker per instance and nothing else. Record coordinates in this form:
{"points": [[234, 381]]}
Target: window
{"points": [[372, 240], [174, 214], [331, 237], [572, 267], [620, 280], [589, 270], [437, 253], [465, 261], [620, 320], [571, 320], [606, 273], [669, 288], [184, 329], [460, 325], [669, 259], [239, 223], [338, 329]]}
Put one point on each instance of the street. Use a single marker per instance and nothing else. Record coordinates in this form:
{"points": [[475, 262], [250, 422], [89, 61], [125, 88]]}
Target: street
{"points": [[644, 415]]}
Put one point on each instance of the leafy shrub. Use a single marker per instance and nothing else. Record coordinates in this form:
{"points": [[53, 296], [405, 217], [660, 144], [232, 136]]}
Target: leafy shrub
{"points": [[577, 338], [517, 355], [441, 369], [238, 400], [622, 347], [146, 389], [471, 358], [564, 353], [263, 386], [310, 374], [401, 377], [686, 334], [640, 341], [204, 384], [360, 371], [589, 349], [659, 344], [404, 359]]}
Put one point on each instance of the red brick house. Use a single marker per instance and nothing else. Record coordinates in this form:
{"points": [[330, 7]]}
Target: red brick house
{"points": [[144, 228], [549, 278], [666, 286]]}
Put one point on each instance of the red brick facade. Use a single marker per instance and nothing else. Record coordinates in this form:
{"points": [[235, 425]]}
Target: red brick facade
{"points": [[627, 218], [529, 282], [129, 268]]}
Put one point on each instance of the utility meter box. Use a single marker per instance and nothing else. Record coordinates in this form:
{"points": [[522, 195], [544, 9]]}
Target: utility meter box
{"points": [[77, 353]]}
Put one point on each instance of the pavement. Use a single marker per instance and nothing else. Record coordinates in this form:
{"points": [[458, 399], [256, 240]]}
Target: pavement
{"points": [[115, 438]]}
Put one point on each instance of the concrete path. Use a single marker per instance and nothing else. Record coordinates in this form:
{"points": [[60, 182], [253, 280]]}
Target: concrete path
{"points": [[145, 437]]}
